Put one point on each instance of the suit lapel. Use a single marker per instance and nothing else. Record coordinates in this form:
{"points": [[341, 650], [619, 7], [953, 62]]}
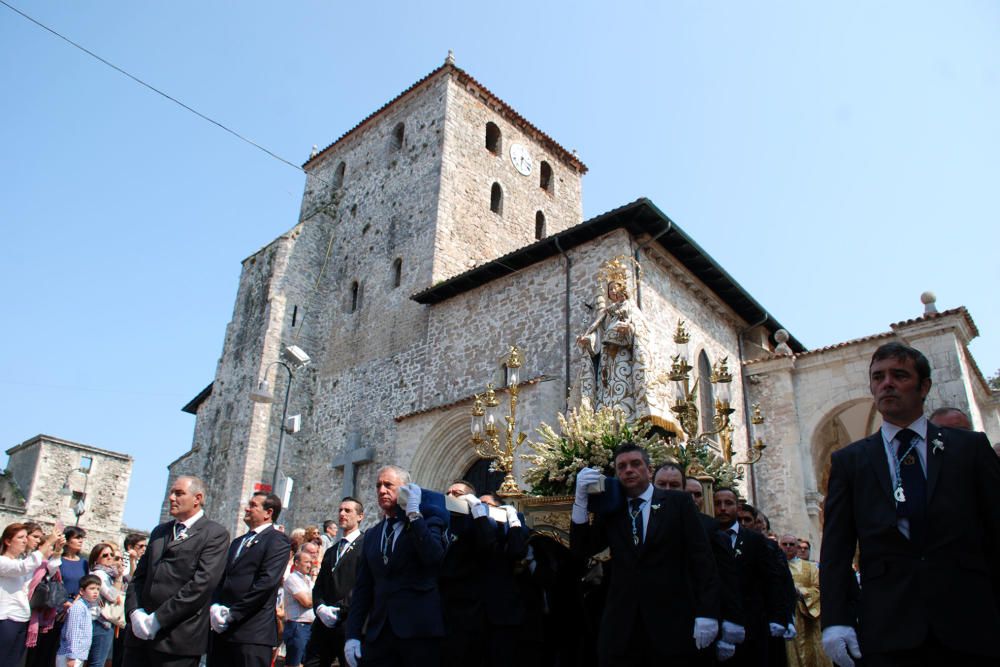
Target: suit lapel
{"points": [[934, 458], [875, 452], [655, 521]]}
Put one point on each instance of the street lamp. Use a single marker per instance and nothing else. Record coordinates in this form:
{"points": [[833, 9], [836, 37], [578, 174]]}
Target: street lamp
{"points": [[79, 508], [263, 394]]}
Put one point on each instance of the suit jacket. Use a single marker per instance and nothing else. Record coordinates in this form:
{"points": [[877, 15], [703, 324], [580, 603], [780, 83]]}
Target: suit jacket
{"points": [[762, 583], [470, 542], [335, 582], [668, 580], [507, 548], [249, 587], [175, 579], [948, 586], [404, 591], [731, 601]]}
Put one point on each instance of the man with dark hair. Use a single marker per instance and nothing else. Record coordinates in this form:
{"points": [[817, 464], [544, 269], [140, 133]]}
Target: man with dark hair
{"points": [[761, 581], [671, 476], [652, 613], [921, 505], [243, 616], [168, 600], [950, 417], [334, 585]]}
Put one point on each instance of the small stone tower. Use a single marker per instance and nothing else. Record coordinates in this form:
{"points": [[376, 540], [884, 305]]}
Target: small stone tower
{"points": [[443, 178]]}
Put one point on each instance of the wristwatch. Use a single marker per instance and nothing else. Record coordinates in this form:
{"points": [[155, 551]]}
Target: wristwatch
{"points": [[413, 516]]}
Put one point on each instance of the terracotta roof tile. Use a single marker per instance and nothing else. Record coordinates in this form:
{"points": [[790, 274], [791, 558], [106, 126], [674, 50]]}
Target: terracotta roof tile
{"points": [[465, 78]]}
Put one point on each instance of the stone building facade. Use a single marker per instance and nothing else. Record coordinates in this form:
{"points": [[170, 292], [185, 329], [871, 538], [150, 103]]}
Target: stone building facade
{"points": [[438, 231], [50, 479]]}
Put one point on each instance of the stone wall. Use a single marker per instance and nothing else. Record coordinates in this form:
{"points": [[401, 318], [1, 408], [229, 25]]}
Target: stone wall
{"points": [[57, 462]]}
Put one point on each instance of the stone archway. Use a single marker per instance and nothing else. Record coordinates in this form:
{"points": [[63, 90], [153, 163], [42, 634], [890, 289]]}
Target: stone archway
{"points": [[840, 427], [445, 453]]}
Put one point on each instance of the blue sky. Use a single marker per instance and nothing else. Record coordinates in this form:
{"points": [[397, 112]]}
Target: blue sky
{"points": [[837, 159]]}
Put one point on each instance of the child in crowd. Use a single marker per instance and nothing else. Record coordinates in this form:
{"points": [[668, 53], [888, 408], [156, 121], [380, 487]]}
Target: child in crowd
{"points": [[77, 630]]}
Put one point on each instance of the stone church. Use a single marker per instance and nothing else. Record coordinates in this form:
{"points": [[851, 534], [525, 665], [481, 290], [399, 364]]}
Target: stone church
{"points": [[444, 228]]}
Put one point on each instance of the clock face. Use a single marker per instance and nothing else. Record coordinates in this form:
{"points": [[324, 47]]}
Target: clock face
{"points": [[520, 158]]}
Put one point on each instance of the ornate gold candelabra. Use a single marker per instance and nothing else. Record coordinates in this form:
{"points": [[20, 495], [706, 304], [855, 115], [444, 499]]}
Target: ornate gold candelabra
{"points": [[486, 435], [685, 406], [756, 450]]}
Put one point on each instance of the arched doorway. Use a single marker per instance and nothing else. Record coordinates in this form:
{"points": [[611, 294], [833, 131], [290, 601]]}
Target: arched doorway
{"points": [[480, 476], [843, 425]]}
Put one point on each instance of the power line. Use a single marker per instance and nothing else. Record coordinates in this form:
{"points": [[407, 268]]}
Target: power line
{"points": [[157, 90]]}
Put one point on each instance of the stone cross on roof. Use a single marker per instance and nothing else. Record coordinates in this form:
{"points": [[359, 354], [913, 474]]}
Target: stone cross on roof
{"points": [[353, 456]]}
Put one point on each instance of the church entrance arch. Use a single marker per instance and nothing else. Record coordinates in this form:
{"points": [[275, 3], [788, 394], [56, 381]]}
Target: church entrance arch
{"points": [[840, 427], [445, 453]]}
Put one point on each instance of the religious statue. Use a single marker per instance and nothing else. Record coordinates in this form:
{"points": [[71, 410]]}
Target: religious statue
{"points": [[617, 356]]}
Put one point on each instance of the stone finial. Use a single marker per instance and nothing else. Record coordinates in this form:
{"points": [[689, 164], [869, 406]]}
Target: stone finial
{"points": [[450, 60], [782, 348], [928, 299], [314, 152]]}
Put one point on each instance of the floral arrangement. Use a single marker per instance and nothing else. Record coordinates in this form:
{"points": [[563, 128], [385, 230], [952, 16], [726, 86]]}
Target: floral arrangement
{"points": [[588, 438]]}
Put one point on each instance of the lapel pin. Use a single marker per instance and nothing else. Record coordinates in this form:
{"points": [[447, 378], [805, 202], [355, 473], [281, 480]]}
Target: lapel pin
{"points": [[938, 445], [654, 507]]}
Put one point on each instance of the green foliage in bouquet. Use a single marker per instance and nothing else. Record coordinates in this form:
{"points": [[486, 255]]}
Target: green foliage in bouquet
{"points": [[587, 438]]}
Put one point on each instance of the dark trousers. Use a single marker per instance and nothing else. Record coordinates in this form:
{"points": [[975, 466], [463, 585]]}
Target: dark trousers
{"points": [[752, 652], [224, 653], [931, 654], [12, 637], [640, 648], [325, 645], [143, 656], [388, 650]]}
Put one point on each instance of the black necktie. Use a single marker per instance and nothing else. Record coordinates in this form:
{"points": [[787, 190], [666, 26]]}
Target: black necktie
{"points": [[635, 514], [911, 476], [341, 548], [179, 530], [731, 536]]}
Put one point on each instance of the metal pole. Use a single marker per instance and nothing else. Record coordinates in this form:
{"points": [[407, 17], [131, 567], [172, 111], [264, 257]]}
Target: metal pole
{"points": [[281, 433]]}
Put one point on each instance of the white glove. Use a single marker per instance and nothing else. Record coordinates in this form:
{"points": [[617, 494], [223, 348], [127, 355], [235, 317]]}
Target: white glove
{"points": [[841, 644], [476, 507], [790, 633], [218, 618], [352, 651], [705, 630], [513, 521], [413, 501], [152, 625], [585, 478], [139, 619], [724, 650], [733, 633], [328, 615], [777, 629]]}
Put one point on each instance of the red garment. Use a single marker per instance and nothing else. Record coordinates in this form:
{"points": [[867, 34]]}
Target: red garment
{"points": [[42, 619]]}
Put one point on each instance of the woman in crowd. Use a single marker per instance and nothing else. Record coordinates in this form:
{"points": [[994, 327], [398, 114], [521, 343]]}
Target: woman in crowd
{"points": [[102, 563], [73, 567], [15, 576]]}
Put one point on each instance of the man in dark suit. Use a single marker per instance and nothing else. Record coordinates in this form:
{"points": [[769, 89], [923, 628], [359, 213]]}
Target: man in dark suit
{"points": [[761, 583], [334, 586], [663, 598], [921, 504], [168, 599], [396, 591], [243, 616], [671, 476]]}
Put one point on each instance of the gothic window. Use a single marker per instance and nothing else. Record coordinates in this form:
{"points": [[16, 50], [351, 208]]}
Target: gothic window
{"points": [[539, 225], [355, 296], [397, 272], [494, 143], [545, 177], [338, 176], [397, 136], [706, 401], [496, 199]]}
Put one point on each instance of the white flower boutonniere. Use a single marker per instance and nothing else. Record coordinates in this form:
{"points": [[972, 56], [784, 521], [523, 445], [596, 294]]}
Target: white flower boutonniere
{"points": [[738, 553], [655, 507], [938, 445]]}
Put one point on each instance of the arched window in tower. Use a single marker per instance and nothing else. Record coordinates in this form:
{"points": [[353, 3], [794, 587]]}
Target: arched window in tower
{"points": [[397, 272], [338, 175], [545, 177], [398, 133], [496, 199], [494, 143], [355, 296], [706, 400], [539, 225]]}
